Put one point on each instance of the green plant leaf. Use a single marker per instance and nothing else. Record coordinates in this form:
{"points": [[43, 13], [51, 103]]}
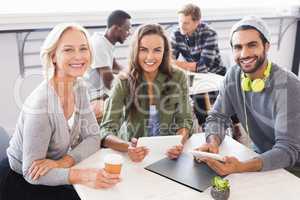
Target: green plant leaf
{"points": [[220, 184]]}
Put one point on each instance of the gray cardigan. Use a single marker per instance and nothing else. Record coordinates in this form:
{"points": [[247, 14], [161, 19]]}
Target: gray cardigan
{"points": [[42, 132], [273, 115]]}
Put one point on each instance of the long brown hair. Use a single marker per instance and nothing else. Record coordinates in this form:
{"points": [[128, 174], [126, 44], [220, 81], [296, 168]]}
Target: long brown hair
{"points": [[135, 70]]}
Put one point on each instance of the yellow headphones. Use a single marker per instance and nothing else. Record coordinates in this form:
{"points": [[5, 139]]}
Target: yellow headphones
{"points": [[257, 85]]}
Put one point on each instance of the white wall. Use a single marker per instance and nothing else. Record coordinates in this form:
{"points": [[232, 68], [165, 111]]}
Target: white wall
{"points": [[284, 56], [13, 88], [10, 69], [10, 104]]}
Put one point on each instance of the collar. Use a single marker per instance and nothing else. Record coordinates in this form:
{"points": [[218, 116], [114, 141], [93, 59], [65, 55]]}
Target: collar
{"points": [[108, 42], [198, 30]]}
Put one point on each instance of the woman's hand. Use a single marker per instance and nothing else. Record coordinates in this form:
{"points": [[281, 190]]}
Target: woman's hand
{"points": [[137, 154], [175, 151], [41, 167], [93, 178]]}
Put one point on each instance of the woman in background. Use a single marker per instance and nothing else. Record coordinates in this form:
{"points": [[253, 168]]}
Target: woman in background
{"points": [[56, 128], [151, 100]]}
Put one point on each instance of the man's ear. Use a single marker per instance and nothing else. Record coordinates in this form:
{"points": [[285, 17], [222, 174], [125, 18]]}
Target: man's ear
{"points": [[267, 46], [114, 27]]}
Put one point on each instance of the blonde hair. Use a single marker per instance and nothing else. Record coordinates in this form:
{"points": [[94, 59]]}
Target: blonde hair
{"points": [[191, 9], [51, 42]]}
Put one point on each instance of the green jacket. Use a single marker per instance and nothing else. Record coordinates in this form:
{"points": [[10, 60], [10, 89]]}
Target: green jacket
{"points": [[172, 104]]}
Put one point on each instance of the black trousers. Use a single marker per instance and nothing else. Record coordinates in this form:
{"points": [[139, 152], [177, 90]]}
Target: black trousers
{"points": [[14, 187], [200, 107]]}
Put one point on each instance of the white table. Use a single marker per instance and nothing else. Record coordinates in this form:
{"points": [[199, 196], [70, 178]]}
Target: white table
{"points": [[140, 184], [205, 82]]}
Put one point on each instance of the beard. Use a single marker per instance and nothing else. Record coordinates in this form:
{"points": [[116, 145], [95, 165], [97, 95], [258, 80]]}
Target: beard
{"points": [[259, 63]]}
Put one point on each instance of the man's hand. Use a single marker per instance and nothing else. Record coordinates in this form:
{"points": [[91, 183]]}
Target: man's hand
{"points": [[190, 66], [107, 76], [97, 107], [175, 151], [231, 165]]}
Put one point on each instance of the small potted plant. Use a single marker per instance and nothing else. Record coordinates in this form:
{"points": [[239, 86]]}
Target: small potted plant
{"points": [[220, 188]]}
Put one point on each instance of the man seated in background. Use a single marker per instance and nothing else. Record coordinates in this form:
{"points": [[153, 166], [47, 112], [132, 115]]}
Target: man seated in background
{"points": [[197, 43], [100, 76], [265, 98]]}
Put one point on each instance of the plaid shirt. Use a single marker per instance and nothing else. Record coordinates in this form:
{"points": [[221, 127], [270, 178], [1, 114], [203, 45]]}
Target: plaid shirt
{"points": [[201, 47]]}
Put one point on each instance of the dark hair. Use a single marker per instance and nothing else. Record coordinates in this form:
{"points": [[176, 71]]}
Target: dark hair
{"points": [[117, 17], [247, 27], [135, 70]]}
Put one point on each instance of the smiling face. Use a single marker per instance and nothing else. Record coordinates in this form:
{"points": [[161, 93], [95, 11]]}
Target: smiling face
{"points": [[249, 50], [72, 55], [150, 54], [123, 31]]}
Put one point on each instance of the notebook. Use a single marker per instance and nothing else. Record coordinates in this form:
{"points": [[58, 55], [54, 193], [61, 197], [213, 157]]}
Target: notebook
{"points": [[185, 171]]}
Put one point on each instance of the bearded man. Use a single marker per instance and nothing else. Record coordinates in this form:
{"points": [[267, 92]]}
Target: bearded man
{"points": [[265, 98]]}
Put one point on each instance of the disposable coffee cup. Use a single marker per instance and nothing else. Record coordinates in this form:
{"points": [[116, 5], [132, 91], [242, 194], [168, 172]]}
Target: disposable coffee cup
{"points": [[113, 163]]}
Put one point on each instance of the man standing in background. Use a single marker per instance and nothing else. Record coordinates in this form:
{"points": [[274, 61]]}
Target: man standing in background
{"points": [[100, 76]]}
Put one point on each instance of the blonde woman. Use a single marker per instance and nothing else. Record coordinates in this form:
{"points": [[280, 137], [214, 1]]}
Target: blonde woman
{"points": [[56, 128]]}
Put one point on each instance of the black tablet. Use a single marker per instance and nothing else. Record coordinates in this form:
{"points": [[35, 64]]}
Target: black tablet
{"points": [[185, 171]]}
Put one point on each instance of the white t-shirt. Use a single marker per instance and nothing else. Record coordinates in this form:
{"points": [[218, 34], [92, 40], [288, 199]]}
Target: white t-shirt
{"points": [[103, 51]]}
